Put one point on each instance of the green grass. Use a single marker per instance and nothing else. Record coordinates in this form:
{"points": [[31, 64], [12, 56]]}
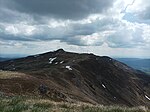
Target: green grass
{"points": [[32, 104]]}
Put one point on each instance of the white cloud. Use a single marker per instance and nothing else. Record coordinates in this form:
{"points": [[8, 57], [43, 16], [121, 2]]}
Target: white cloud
{"points": [[113, 28], [137, 6]]}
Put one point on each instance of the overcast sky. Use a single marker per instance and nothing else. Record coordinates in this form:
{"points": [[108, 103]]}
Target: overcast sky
{"points": [[117, 28]]}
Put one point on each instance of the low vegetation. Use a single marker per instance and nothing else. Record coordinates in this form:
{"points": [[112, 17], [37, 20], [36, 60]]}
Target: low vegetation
{"points": [[26, 104], [10, 74]]}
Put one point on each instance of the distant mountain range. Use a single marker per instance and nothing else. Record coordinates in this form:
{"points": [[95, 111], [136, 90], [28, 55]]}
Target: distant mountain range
{"points": [[4, 59], [136, 63], [76, 77]]}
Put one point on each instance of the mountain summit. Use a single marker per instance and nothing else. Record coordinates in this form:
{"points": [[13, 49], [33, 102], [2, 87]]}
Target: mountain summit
{"points": [[76, 77]]}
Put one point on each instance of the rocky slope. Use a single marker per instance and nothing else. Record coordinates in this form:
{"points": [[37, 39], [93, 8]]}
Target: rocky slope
{"points": [[76, 77]]}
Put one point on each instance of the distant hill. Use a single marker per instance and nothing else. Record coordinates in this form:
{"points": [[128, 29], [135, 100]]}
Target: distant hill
{"points": [[136, 63], [76, 77], [4, 59]]}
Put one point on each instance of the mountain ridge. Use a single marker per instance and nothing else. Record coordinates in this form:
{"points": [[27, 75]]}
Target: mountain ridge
{"points": [[81, 77]]}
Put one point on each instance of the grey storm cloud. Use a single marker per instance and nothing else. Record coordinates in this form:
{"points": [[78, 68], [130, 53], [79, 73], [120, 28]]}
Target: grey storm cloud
{"points": [[21, 15], [69, 34], [63, 9]]}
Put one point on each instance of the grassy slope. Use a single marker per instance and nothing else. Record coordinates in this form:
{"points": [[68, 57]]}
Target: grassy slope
{"points": [[34, 104], [26, 104], [9, 74]]}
